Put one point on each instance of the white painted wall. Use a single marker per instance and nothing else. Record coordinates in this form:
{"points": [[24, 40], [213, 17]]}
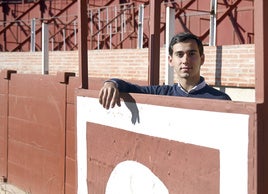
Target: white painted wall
{"points": [[216, 130]]}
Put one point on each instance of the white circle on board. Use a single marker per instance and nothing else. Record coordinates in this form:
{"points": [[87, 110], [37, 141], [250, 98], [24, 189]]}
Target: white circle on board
{"points": [[131, 177]]}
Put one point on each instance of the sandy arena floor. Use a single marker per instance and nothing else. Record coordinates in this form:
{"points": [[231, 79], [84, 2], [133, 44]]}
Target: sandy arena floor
{"points": [[6, 188]]}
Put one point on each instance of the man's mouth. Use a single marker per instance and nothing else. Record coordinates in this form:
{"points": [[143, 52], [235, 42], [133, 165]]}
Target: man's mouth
{"points": [[186, 68]]}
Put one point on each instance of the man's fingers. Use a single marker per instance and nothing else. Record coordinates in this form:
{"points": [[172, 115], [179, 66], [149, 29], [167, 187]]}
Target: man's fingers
{"points": [[101, 96], [109, 98], [118, 102], [114, 97], [109, 95]]}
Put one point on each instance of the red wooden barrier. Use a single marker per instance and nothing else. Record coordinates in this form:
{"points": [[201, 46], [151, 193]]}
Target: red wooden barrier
{"points": [[190, 146]]}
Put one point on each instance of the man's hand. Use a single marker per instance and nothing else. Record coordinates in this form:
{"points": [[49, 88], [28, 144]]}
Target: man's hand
{"points": [[109, 95]]}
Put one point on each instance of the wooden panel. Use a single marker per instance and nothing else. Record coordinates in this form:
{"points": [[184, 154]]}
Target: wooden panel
{"points": [[71, 172], [71, 169], [37, 133], [181, 167], [171, 118], [261, 62], [3, 126]]}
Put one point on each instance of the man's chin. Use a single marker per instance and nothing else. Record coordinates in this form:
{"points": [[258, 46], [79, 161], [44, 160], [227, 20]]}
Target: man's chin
{"points": [[185, 75]]}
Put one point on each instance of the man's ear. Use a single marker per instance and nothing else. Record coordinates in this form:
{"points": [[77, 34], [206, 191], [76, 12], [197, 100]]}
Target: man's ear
{"points": [[202, 59], [170, 60]]}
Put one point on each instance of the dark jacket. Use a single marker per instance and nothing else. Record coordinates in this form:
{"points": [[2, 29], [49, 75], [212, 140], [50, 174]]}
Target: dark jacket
{"points": [[202, 90]]}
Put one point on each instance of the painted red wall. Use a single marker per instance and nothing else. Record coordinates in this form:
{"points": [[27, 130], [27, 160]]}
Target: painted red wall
{"points": [[37, 131]]}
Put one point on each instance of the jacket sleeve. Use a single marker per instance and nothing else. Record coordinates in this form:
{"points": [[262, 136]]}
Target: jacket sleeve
{"points": [[128, 87]]}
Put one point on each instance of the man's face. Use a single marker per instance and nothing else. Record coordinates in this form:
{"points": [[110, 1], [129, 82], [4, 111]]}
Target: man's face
{"points": [[186, 60]]}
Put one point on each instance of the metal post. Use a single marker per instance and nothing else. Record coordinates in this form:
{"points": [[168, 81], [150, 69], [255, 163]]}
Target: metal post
{"points": [[52, 44], [75, 38], [64, 39], [140, 26], [109, 28], [107, 20], [33, 35], [45, 69], [154, 42], [82, 44], [122, 26], [99, 24], [170, 20], [115, 15], [124, 19], [213, 23], [91, 28]]}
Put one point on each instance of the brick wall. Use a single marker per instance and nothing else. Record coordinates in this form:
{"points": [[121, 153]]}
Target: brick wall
{"points": [[230, 66]]}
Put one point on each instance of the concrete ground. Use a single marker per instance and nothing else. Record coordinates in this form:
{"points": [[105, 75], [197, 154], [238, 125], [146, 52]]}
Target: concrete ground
{"points": [[6, 188]]}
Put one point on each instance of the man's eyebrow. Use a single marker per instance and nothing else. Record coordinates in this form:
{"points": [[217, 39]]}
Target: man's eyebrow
{"points": [[191, 50]]}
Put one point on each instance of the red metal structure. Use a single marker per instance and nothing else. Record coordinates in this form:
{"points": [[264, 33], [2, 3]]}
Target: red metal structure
{"points": [[114, 25]]}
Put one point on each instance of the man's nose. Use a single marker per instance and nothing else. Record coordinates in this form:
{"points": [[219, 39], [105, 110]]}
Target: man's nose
{"points": [[185, 58]]}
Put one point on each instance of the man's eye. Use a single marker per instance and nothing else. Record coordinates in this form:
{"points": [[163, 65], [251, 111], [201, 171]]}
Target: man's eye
{"points": [[180, 55], [192, 53]]}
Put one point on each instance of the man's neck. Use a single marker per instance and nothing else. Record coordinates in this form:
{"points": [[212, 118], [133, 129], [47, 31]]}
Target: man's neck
{"points": [[188, 84]]}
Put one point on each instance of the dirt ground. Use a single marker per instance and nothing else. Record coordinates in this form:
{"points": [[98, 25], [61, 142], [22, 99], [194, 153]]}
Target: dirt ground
{"points": [[6, 188]]}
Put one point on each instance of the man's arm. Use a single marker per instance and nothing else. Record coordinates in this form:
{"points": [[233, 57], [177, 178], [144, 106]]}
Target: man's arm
{"points": [[109, 95]]}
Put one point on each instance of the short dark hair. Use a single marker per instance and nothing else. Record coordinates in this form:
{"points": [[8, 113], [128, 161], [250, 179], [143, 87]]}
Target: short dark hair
{"points": [[183, 36]]}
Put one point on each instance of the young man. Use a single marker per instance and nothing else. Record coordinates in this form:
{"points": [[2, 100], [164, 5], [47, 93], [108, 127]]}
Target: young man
{"points": [[186, 55]]}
